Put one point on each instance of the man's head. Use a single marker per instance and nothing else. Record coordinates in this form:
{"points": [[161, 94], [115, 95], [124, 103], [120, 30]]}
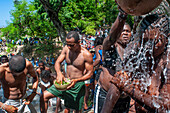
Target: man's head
{"points": [[125, 35], [41, 65], [17, 64], [4, 59], [73, 40], [45, 75]]}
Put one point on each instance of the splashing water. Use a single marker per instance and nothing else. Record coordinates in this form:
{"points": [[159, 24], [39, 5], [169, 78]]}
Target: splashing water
{"points": [[139, 60]]}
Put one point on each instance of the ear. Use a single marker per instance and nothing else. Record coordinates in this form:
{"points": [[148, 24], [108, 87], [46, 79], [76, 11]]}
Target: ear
{"points": [[78, 41]]}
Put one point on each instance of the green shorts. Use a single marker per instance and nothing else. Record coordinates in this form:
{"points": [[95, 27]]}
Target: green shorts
{"points": [[73, 98]]}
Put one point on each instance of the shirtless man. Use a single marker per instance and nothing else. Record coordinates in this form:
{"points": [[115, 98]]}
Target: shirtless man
{"points": [[78, 60], [13, 79], [153, 34], [113, 50]]}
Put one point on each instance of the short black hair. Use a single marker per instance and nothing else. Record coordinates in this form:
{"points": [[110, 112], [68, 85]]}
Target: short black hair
{"points": [[17, 63], [73, 34], [45, 74]]}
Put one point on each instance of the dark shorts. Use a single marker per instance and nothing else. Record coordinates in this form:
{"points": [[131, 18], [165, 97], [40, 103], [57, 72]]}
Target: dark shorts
{"points": [[122, 105], [73, 98]]}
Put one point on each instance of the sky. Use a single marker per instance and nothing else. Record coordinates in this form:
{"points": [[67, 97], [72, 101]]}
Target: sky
{"points": [[5, 7]]}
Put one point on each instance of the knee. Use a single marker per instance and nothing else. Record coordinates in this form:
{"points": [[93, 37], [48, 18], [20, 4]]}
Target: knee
{"points": [[44, 97]]}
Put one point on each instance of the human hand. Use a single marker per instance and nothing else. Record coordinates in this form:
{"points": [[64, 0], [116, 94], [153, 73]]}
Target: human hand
{"points": [[119, 79], [73, 82], [60, 78], [10, 109], [153, 33], [29, 99], [122, 14]]}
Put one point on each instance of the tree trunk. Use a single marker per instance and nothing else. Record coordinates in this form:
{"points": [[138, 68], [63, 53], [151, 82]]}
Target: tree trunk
{"points": [[54, 18]]}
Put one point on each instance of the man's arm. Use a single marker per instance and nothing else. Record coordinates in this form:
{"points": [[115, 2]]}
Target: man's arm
{"points": [[151, 102], [88, 67], [98, 57], [33, 74], [60, 59], [112, 97], [115, 31], [2, 69]]}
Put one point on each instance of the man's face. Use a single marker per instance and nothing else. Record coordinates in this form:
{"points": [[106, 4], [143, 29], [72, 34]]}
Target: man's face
{"points": [[71, 44], [41, 66], [125, 35], [4, 60]]}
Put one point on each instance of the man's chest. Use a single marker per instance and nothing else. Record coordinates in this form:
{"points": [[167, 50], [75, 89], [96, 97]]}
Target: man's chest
{"points": [[13, 80], [75, 59]]}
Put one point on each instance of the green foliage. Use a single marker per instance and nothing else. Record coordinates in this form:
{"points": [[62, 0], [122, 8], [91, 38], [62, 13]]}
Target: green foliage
{"points": [[27, 22], [85, 15], [33, 20]]}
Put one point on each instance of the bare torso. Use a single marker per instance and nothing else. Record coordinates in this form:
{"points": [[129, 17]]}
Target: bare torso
{"points": [[14, 86], [75, 63], [106, 74]]}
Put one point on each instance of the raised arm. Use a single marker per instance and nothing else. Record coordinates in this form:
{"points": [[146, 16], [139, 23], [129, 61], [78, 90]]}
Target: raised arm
{"points": [[60, 77], [115, 31]]}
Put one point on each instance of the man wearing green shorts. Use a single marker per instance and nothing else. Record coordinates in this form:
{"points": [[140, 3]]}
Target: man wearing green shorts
{"points": [[79, 60]]}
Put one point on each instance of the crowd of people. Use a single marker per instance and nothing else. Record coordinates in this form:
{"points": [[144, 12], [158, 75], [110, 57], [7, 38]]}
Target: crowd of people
{"points": [[125, 73]]}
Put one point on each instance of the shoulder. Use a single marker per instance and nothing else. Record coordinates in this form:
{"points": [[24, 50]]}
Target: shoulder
{"points": [[87, 55], [4, 67], [64, 50], [28, 64]]}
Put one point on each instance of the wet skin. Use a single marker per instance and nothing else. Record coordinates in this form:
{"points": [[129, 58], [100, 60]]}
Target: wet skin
{"points": [[119, 36], [159, 90]]}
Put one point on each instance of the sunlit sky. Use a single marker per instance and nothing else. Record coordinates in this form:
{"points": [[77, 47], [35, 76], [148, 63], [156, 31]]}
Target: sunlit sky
{"points": [[5, 7]]}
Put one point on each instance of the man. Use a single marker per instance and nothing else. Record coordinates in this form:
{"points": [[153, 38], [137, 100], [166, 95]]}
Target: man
{"points": [[13, 79], [113, 49], [4, 59], [148, 79], [78, 60]]}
